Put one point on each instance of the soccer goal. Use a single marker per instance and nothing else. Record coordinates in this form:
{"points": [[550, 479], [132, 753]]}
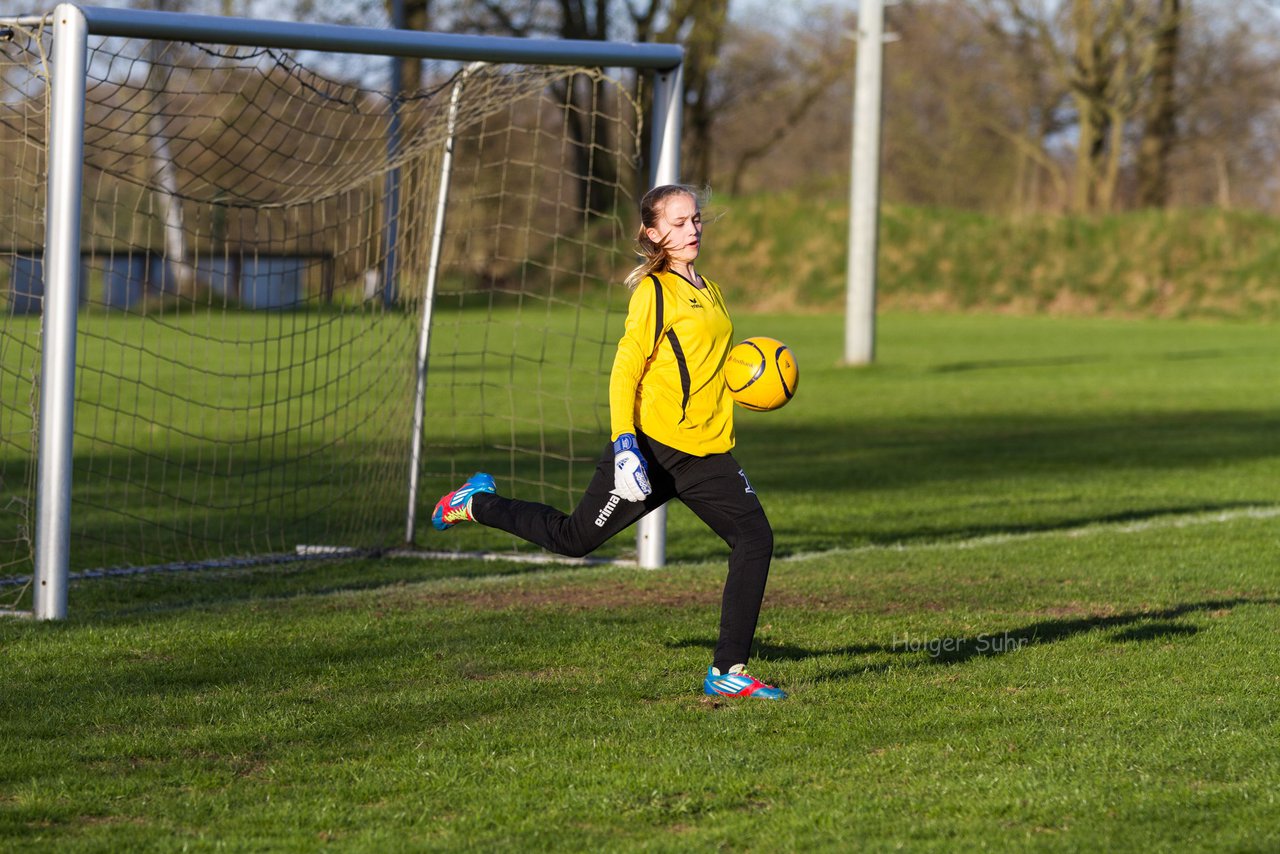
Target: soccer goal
{"points": [[257, 304]]}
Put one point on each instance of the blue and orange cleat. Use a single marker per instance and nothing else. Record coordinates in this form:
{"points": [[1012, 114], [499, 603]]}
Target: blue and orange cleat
{"points": [[739, 683], [456, 506]]}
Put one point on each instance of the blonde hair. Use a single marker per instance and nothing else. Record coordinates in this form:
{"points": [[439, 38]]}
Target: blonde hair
{"points": [[656, 257]]}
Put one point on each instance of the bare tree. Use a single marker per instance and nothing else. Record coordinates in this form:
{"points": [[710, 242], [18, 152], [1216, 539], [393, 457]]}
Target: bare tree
{"points": [[1103, 53], [700, 26], [583, 96], [1159, 133], [1111, 60], [177, 254], [771, 93], [416, 16], [1018, 44], [1228, 111]]}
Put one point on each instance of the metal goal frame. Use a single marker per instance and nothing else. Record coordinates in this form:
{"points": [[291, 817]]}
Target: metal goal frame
{"points": [[71, 27]]}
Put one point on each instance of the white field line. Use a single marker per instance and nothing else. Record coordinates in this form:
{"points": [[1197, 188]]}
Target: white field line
{"points": [[1168, 521], [1163, 522], [305, 553]]}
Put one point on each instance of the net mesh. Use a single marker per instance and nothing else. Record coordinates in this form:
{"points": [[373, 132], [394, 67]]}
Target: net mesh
{"points": [[255, 252]]}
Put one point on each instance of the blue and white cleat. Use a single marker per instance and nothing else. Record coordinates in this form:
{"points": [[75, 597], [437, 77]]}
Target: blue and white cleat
{"points": [[456, 506], [739, 683]]}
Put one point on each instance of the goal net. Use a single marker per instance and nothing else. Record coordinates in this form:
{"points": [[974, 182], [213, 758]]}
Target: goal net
{"points": [[256, 242]]}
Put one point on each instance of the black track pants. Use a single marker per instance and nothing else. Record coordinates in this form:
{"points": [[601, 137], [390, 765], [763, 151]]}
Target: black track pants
{"points": [[714, 487]]}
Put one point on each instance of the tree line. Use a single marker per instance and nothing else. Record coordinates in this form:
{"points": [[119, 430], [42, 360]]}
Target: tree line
{"points": [[1015, 105], [998, 105]]}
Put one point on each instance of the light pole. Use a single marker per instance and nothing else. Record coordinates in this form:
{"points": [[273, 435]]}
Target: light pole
{"points": [[864, 190]]}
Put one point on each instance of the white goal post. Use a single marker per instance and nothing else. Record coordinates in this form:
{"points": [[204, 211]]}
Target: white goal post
{"points": [[71, 28]]}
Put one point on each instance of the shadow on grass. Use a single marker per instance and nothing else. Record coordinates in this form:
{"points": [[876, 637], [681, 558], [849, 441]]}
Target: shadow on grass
{"points": [[1066, 360], [1155, 631], [992, 364], [155, 593], [1130, 627], [1136, 626], [870, 453]]}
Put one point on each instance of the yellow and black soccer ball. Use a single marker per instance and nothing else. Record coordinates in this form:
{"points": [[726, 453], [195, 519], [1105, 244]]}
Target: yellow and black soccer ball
{"points": [[761, 374]]}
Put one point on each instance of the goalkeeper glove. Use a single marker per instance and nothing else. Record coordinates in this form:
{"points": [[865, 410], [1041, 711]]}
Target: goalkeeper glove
{"points": [[630, 472]]}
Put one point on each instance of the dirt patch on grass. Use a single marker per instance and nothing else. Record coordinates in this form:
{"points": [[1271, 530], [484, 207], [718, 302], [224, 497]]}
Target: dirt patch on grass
{"points": [[855, 603], [111, 821], [632, 592], [1075, 611], [602, 595]]}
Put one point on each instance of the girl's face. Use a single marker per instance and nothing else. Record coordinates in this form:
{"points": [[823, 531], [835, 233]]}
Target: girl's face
{"points": [[679, 228]]}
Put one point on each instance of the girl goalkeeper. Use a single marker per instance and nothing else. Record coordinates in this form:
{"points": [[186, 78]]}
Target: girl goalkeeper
{"points": [[672, 426]]}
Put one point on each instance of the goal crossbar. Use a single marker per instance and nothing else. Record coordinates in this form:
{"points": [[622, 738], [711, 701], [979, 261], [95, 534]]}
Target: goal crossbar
{"points": [[136, 23]]}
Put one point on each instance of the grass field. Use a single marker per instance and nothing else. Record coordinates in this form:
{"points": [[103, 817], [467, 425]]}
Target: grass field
{"points": [[1025, 597]]}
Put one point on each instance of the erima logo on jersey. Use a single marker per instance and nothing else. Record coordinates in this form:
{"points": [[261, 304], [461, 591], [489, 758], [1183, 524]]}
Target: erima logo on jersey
{"points": [[614, 501], [693, 303]]}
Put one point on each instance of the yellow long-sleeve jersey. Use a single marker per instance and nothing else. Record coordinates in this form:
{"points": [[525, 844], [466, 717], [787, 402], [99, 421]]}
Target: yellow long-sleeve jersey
{"points": [[667, 378]]}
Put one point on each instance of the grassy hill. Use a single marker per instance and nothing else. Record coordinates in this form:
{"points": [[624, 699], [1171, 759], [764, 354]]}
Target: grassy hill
{"points": [[787, 251]]}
